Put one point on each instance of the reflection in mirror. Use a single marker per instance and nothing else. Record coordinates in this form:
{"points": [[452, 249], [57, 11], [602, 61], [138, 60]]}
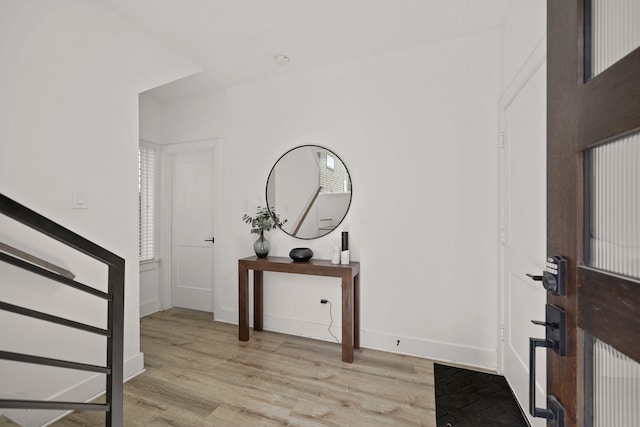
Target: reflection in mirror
{"points": [[311, 187]]}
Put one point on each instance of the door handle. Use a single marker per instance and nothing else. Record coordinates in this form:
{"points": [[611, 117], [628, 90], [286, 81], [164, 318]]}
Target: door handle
{"points": [[554, 412], [212, 240], [534, 277], [545, 324], [555, 324], [533, 410]]}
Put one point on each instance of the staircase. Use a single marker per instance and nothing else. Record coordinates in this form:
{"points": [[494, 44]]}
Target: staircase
{"points": [[113, 298]]}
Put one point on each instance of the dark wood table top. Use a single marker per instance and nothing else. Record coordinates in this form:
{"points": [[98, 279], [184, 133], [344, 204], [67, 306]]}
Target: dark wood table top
{"points": [[319, 267]]}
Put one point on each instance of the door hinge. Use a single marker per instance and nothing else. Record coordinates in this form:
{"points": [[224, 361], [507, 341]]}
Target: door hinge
{"points": [[503, 238], [501, 140], [502, 332]]}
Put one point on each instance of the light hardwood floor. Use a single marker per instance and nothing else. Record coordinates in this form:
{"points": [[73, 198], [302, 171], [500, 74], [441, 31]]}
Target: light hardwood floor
{"points": [[199, 374]]}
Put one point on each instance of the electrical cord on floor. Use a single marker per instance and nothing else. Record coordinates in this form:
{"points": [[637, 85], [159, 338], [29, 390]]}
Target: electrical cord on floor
{"points": [[331, 323]]}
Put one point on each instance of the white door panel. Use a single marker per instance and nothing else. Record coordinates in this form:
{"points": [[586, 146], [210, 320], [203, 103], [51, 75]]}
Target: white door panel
{"points": [[192, 194], [524, 222]]}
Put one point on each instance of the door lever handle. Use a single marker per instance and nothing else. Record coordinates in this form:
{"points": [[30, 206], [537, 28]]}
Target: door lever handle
{"points": [[212, 240], [545, 324], [535, 277]]}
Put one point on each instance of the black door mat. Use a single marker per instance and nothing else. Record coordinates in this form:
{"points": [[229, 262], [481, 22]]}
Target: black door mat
{"points": [[467, 398]]}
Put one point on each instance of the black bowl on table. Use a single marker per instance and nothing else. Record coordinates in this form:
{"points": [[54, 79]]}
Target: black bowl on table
{"points": [[301, 254]]}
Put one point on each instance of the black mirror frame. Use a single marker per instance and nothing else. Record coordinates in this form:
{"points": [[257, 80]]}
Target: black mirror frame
{"points": [[266, 192]]}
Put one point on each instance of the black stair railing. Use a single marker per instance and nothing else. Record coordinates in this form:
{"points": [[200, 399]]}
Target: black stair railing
{"points": [[114, 298]]}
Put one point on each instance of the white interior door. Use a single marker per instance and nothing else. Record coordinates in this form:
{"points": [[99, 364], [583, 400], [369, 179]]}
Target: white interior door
{"points": [[192, 225], [524, 236]]}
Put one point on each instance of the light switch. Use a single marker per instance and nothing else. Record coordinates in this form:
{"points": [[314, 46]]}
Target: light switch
{"points": [[80, 200]]}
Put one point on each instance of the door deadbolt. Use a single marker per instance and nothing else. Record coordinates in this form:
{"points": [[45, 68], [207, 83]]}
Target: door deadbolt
{"points": [[554, 277]]}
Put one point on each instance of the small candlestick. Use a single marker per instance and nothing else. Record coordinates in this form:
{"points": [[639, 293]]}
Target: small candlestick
{"points": [[335, 259]]}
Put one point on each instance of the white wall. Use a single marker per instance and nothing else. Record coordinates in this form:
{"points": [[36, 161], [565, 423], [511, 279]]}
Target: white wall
{"points": [[150, 119], [70, 77], [524, 27], [195, 118], [417, 130]]}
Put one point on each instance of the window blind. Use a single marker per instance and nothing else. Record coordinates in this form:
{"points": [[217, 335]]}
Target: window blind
{"points": [[146, 198]]}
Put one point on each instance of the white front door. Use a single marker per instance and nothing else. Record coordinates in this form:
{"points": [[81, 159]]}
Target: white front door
{"points": [[192, 220], [524, 234]]}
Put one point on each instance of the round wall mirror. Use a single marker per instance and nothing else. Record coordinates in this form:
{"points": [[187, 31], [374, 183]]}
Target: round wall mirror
{"points": [[310, 187]]}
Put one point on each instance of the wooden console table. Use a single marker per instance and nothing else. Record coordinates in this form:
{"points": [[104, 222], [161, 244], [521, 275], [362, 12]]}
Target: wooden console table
{"points": [[349, 273]]}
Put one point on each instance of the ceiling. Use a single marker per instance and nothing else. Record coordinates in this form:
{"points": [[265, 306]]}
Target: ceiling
{"points": [[235, 41]]}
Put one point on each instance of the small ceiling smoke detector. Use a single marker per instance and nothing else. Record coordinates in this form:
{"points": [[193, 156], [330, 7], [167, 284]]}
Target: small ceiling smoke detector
{"points": [[282, 59]]}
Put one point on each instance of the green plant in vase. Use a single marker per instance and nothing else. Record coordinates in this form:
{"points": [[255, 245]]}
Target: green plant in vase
{"points": [[264, 220]]}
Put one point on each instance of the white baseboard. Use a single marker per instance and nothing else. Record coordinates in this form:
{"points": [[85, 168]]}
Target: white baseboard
{"points": [[475, 357], [84, 391], [286, 326], [149, 307], [317, 331], [226, 315]]}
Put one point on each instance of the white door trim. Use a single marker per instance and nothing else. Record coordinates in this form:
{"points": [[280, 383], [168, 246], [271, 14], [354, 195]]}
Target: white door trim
{"points": [[535, 60], [167, 153]]}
